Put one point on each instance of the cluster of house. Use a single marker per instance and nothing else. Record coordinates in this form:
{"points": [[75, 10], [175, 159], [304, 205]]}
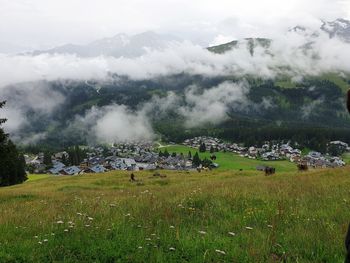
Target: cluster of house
{"points": [[271, 151], [143, 156], [317, 160], [127, 156], [268, 152]]}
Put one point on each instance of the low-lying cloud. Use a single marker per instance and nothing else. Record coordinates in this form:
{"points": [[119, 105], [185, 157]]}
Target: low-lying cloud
{"points": [[113, 123], [293, 54], [116, 123], [37, 99]]}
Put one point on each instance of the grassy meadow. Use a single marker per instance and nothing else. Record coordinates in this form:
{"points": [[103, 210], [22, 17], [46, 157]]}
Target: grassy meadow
{"points": [[232, 161], [217, 216]]}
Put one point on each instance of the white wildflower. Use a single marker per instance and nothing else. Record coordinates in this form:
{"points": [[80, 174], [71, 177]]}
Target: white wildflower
{"points": [[220, 251]]}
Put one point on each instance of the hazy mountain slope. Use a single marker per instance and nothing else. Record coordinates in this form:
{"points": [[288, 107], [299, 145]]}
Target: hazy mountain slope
{"points": [[338, 28], [121, 45]]}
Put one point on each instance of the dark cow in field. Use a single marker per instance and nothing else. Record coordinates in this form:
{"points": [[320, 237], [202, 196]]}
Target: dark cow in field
{"points": [[132, 177], [269, 170], [302, 167], [213, 157]]}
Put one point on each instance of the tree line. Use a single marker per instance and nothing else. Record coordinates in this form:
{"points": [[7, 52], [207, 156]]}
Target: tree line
{"points": [[12, 162]]}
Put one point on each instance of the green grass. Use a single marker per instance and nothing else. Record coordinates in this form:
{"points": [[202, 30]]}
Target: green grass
{"points": [[231, 161], [294, 217], [346, 158], [336, 79], [34, 177], [287, 83]]}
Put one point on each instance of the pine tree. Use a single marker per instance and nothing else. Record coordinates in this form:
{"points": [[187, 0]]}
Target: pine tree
{"points": [[202, 147], [189, 155], [64, 160], [166, 153], [196, 160], [12, 163], [47, 159]]}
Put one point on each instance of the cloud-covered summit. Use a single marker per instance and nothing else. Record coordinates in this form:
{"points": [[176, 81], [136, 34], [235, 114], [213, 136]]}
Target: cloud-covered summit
{"points": [[121, 45]]}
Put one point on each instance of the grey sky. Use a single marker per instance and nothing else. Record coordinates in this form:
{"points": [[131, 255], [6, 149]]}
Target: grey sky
{"points": [[46, 23]]}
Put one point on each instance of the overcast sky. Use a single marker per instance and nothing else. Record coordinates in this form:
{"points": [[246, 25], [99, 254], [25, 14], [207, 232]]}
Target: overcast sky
{"points": [[47, 23]]}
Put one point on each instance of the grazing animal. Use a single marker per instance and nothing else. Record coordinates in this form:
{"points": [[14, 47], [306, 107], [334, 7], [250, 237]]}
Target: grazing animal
{"points": [[156, 174], [199, 169], [269, 170], [213, 157], [132, 177], [302, 167]]}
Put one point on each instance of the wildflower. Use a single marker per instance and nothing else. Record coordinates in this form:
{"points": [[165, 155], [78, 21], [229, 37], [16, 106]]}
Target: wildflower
{"points": [[220, 251], [153, 234], [87, 225], [148, 239], [270, 226], [52, 234], [172, 249], [35, 236], [40, 242], [172, 227], [108, 229], [66, 230], [90, 218], [139, 247], [248, 228], [127, 215], [79, 214], [45, 240], [139, 226], [60, 222], [231, 233], [202, 232], [112, 205]]}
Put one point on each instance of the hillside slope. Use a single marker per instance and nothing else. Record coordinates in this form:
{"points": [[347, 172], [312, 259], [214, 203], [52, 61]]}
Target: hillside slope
{"points": [[207, 217]]}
